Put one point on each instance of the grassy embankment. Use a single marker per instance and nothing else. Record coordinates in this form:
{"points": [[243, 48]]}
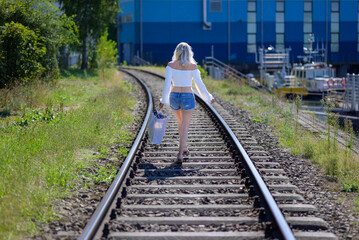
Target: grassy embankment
{"points": [[340, 164], [45, 131]]}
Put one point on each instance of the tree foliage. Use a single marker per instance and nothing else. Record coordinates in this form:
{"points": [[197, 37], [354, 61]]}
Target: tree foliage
{"points": [[31, 31], [20, 47], [106, 52], [92, 18]]}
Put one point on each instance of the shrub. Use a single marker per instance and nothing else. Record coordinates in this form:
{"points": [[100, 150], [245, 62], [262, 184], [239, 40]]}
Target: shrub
{"points": [[106, 53], [203, 72], [331, 164], [308, 148], [31, 33], [21, 51]]}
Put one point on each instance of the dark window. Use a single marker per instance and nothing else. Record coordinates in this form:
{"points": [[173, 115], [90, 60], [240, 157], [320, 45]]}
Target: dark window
{"points": [[126, 18], [215, 5]]}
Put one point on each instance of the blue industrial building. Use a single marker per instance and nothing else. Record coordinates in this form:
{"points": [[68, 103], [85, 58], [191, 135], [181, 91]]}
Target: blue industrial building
{"points": [[237, 28]]}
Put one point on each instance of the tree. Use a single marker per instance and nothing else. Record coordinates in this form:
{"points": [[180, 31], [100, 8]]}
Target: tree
{"points": [[30, 34], [106, 53], [21, 53], [92, 17]]}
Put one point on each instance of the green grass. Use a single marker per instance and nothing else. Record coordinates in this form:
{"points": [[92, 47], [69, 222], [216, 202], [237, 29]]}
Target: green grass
{"points": [[40, 144], [158, 69], [356, 204]]}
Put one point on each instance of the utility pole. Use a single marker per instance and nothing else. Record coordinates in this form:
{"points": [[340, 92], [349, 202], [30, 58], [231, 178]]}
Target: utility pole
{"points": [[229, 31], [262, 24], [326, 31], [141, 31], [118, 37]]}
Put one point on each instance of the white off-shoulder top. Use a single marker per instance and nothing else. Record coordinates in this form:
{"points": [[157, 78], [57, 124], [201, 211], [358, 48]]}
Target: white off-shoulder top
{"points": [[183, 78]]}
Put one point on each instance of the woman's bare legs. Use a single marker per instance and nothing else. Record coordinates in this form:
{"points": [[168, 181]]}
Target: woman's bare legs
{"points": [[178, 115], [184, 119]]}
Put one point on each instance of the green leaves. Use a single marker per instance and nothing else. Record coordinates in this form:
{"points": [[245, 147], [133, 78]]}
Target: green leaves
{"points": [[31, 33], [106, 53], [92, 17], [350, 187], [21, 52], [35, 116]]}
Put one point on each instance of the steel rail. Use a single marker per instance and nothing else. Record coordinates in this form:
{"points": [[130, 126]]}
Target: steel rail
{"points": [[272, 205], [277, 215], [95, 221]]}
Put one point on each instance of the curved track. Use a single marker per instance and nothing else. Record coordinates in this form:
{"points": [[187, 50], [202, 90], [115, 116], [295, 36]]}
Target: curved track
{"points": [[225, 189]]}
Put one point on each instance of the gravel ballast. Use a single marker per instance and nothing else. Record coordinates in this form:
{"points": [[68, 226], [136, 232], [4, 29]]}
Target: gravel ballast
{"points": [[334, 206]]}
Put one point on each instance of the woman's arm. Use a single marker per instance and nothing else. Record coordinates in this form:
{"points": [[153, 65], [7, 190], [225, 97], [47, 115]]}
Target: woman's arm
{"points": [[166, 87], [201, 88]]}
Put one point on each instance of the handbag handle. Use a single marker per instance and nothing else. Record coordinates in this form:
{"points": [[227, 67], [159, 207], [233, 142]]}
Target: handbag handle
{"points": [[154, 110], [156, 113]]}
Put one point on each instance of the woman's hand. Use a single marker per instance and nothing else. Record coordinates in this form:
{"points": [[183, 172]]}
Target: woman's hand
{"points": [[160, 106], [212, 101]]}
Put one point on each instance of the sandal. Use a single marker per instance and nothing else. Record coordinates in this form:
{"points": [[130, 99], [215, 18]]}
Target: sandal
{"points": [[179, 159], [185, 151]]}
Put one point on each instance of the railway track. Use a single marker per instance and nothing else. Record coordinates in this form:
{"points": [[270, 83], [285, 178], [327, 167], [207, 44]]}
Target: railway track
{"points": [[317, 126], [228, 188]]}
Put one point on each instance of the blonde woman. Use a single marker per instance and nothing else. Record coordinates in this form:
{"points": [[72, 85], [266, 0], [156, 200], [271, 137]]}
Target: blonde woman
{"points": [[179, 73]]}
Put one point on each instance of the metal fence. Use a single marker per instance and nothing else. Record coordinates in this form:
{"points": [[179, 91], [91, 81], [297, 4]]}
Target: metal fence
{"points": [[352, 93]]}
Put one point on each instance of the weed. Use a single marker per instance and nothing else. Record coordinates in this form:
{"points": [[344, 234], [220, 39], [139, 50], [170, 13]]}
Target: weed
{"points": [[351, 187], [104, 152], [298, 104], [287, 135], [31, 116], [331, 165], [232, 91], [348, 130], [129, 86], [313, 119], [356, 206], [308, 147], [5, 113], [122, 151], [30, 95], [225, 84], [274, 101], [104, 174]]}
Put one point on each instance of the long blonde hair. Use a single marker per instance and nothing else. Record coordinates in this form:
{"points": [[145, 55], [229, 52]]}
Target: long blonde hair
{"points": [[183, 52]]}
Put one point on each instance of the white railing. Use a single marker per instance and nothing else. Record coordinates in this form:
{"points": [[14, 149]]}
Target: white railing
{"points": [[220, 70], [136, 60]]}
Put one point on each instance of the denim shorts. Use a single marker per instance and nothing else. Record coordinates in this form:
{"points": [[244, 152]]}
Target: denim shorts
{"points": [[184, 101]]}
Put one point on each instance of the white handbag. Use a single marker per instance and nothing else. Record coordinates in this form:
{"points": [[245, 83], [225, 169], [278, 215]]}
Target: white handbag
{"points": [[157, 126]]}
